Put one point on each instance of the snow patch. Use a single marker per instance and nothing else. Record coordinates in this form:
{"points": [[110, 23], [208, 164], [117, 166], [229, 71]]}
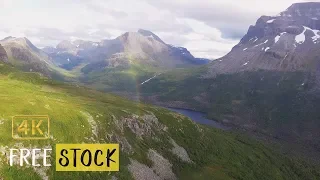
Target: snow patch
{"points": [[254, 39], [301, 37], [245, 63], [261, 43], [276, 39], [68, 60], [245, 49], [314, 18], [271, 20], [316, 34], [267, 48]]}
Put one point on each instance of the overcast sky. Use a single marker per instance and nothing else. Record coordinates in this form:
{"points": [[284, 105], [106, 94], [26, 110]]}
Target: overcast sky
{"points": [[208, 28]]}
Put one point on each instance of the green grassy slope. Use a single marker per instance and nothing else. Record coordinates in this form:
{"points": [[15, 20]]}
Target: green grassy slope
{"points": [[119, 78], [214, 154]]}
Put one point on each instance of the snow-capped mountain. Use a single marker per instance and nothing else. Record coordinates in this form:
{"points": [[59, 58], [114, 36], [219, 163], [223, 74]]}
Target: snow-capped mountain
{"points": [[289, 41]]}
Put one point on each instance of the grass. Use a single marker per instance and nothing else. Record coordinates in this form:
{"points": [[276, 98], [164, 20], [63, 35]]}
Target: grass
{"points": [[215, 154], [119, 79]]}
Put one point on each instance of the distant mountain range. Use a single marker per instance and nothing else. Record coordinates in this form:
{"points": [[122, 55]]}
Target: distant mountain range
{"points": [[142, 46], [100, 64]]}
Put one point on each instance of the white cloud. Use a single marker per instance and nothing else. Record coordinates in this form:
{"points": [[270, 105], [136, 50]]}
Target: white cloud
{"points": [[208, 28]]}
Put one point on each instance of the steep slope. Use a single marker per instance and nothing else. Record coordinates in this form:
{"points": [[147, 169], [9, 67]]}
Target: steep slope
{"points": [[23, 54], [155, 143], [289, 41], [268, 84]]}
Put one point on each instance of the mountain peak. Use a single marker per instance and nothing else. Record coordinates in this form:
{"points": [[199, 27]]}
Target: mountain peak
{"points": [[302, 9], [148, 33], [304, 5]]}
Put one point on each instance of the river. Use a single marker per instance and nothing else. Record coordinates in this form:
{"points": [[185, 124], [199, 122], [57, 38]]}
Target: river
{"points": [[200, 118]]}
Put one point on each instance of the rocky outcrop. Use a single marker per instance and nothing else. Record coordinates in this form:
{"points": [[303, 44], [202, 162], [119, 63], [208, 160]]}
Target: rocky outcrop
{"points": [[141, 126], [161, 169]]}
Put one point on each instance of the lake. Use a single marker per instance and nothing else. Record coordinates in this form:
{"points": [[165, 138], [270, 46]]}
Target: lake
{"points": [[200, 118]]}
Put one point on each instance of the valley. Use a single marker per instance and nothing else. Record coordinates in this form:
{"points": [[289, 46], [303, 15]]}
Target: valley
{"points": [[250, 114], [145, 133]]}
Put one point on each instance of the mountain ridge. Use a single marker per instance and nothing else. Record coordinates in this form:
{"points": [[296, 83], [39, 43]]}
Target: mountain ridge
{"points": [[142, 45], [285, 42]]}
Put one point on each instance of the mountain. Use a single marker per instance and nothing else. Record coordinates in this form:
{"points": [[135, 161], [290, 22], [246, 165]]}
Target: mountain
{"points": [[155, 143], [289, 41], [120, 64], [23, 54], [267, 85], [141, 47]]}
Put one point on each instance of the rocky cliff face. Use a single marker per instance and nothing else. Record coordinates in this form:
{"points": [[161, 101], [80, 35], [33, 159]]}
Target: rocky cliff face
{"points": [[289, 41]]}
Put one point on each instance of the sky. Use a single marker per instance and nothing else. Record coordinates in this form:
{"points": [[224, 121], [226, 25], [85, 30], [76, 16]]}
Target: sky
{"points": [[207, 28]]}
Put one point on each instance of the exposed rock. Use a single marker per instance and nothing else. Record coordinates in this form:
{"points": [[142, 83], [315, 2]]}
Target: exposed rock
{"points": [[161, 169], [180, 152], [114, 178], [141, 172], [141, 126], [124, 144], [161, 166]]}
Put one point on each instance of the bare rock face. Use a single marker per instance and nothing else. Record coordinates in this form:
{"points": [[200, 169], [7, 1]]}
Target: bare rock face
{"points": [[160, 170], [144, 126], [3, 54], [289, 41]]}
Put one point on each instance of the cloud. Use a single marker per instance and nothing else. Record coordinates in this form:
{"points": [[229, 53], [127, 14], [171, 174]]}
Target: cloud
{"points": [[207, 28], [231, 17]]}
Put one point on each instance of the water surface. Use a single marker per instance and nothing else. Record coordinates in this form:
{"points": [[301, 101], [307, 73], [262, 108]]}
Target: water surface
{"points": [[200, 118]]}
